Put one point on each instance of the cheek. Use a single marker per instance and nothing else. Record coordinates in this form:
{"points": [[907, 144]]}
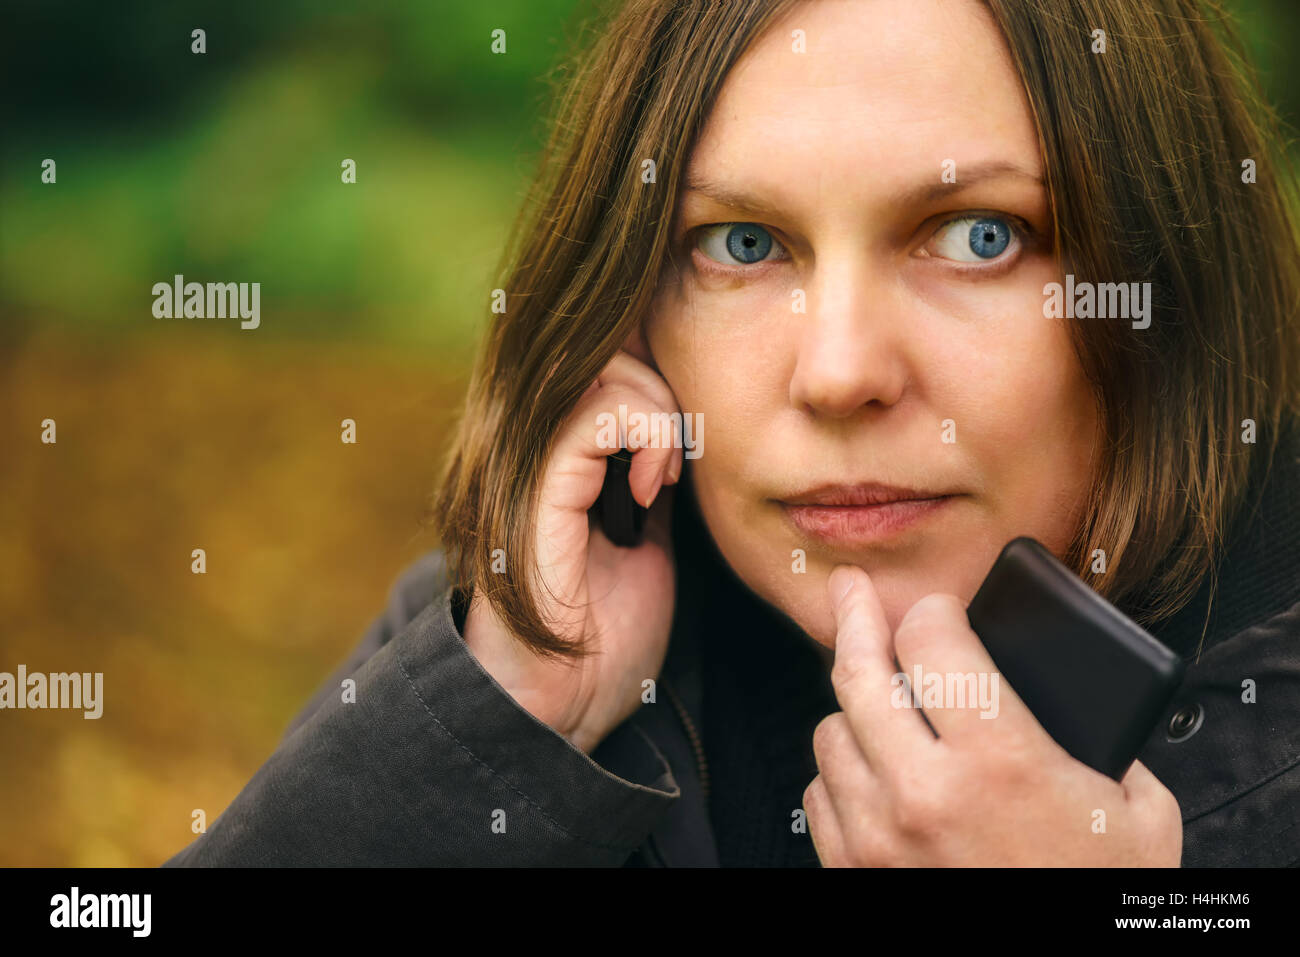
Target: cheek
{"points": [[723, 362], [1015, 383], [720, 366], [1026, 420], [1008, 377], [715, 341]]}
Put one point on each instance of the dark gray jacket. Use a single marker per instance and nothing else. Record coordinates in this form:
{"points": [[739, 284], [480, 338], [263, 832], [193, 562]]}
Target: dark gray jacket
{"points": [[433, 758]]}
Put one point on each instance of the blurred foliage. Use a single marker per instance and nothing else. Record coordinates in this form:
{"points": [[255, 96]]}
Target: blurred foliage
{"points": [[164, 446], [226, 166], [1270, 29]]}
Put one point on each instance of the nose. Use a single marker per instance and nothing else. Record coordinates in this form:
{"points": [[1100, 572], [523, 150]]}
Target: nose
{"points": [[852, 348]]}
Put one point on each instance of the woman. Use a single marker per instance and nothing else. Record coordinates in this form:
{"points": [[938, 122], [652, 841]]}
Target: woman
{"points": [[830, 232]]}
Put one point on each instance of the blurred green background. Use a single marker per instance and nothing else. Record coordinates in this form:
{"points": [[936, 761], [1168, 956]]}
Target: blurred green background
{"points": [[183, 434]]}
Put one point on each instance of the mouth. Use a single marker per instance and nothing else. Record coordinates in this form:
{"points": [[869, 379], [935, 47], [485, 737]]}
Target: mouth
{"points": [[862, 514]]}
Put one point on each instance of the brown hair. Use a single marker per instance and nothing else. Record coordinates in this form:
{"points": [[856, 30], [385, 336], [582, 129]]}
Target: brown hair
{"points": [[1143, 148]]}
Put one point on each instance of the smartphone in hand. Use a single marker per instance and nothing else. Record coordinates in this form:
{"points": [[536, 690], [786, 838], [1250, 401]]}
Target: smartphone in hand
{"points": [[1094, 679]]}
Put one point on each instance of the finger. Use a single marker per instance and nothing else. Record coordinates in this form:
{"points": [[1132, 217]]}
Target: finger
{"points": [[575, 474], [627, 369], [823, 825], [864, 675], [954, 678], [653, 465], [1157, 816], [845, 771], [1144, 789], [597, 428]]}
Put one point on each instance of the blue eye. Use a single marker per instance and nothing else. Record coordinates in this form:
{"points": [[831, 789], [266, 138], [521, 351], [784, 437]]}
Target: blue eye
{"points": [[745, 242], [973, 238], [988, 237]]}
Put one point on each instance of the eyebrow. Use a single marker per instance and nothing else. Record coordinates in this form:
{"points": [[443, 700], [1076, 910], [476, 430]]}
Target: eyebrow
{"points": [[967, 177], [724, 195]]}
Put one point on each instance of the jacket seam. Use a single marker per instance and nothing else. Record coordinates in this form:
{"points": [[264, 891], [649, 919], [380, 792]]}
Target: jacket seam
{"points": [[697, 747], [1219, 649], [541, 810], [1270, 838], [1254, 787]]}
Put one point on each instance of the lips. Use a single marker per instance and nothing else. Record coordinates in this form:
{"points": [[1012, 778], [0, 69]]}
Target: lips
{"points": [[862, 514], [868, 494]]}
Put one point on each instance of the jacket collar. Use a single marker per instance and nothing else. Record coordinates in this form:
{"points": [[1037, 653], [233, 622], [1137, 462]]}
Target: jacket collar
{"points": [[1258, 572]]}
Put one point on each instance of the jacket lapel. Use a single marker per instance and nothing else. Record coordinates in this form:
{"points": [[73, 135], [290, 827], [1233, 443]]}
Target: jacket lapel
{"points": [[684, 838]]}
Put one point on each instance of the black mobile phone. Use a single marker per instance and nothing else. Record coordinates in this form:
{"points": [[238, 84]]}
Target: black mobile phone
{"points": [[1095, 680], [621, 518]]}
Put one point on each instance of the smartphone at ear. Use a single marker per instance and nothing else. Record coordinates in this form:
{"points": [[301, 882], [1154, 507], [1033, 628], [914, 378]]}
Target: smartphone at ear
{"points": [[1094, 679], [621, 518]]}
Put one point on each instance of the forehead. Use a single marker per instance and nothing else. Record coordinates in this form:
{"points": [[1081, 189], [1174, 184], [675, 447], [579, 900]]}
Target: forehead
{"points": [[886, 90]]}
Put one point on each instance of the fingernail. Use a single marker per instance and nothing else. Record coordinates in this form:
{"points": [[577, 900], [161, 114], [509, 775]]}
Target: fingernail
{"points": [[840, 583], [654, 490], [674, 468]]}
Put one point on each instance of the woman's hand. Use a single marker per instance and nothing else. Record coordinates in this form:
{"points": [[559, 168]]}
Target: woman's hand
{"points": [[619, 599], [993, 791]]}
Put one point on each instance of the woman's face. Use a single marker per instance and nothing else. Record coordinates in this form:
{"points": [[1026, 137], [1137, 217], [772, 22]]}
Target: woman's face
{"points": [[877, 314]]}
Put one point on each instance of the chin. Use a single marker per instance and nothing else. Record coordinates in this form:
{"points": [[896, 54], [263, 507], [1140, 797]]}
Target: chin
{"points": [[820, 628], [810, 608]]}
